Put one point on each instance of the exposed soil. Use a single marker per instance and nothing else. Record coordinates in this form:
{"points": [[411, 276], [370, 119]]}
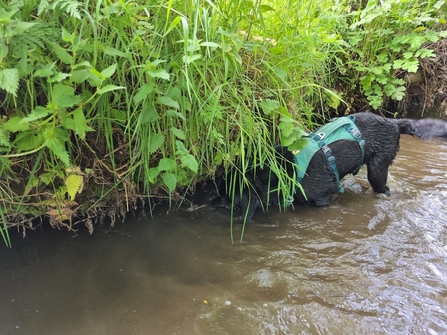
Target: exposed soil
{"points": [[427, 88]]}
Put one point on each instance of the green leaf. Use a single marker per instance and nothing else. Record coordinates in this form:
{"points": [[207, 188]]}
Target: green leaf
{"points": [[383, 57], [389, 89], [63, 96], [286, 128], [66, 36], [37, 113], [268, 106], [118, 114], [411, 65], [114, 52], [26, 141], [143, 92], [178, 133], [167, 101], [174, 93], [21, 27], [167, 164], [190, 162], [80, 122], [424, 53], [44, 70], [159, 73], [181, 150], [62, 54], [266, 8], [74, 184], [399, 93], [375, 101], [4, 50], [148, 114], [153, 174], [170, 180], [9, 80], [83, 63], [80, 76], [155, 142], [366, 80], [58, 77], [96, 76], [191, 58], [15, 124], [107, 73], [4, 138], [5, 17], [417, 41], [109, 88], [174, 113], [58, 150], [376, 69], [172, 25], [382, 79], [298, 144], [287, 140]]}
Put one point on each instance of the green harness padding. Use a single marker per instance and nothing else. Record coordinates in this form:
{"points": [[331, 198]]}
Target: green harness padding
{"points": [[342, 128]]}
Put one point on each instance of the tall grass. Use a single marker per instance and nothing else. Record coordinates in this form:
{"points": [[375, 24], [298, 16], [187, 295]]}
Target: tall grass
{"points": [[104, 99]]}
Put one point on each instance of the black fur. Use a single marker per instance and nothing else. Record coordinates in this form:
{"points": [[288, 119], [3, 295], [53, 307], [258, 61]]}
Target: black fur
{"points": [[382, 144]]}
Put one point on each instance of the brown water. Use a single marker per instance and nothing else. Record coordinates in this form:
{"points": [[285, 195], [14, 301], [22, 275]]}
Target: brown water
{"points": [[367, 264]]}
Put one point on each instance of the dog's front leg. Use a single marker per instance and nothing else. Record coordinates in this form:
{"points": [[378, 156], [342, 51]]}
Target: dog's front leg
{"points": [[249, 203]]}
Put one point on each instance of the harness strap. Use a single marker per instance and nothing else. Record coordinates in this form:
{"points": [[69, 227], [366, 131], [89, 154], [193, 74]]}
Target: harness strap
{"points": [[331, 159], [354, 131]]}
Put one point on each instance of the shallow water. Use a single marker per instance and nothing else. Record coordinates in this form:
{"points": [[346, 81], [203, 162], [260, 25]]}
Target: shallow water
{"points": [[367, 264]]}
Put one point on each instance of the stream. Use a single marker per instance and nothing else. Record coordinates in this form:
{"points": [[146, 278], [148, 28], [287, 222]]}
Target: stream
{"points": [[366, 264]]}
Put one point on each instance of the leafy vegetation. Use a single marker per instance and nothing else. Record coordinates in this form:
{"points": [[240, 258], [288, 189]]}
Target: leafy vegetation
{"points": [[104, 100]]}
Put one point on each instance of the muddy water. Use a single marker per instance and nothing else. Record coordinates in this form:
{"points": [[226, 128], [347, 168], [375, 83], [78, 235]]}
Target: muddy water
{"points": [[368, 264]]}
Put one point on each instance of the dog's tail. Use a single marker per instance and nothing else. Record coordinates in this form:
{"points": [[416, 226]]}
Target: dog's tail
{"points": [[423, 128]]}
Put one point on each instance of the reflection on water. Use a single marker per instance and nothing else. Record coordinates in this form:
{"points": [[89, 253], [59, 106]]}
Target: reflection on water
{"points": [[367, 264]]}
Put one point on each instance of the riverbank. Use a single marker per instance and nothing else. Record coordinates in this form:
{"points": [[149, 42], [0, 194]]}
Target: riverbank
{"points": [[110, 108]]}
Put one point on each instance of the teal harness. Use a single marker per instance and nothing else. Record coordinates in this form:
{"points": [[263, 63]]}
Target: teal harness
{"points": [[342, 128]]}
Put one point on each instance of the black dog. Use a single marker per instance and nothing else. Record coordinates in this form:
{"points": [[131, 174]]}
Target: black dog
{"points": [[381, 136]]}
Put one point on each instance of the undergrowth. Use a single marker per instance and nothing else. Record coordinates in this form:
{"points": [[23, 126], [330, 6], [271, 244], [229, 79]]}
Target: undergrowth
{"points": [[107, 104]]}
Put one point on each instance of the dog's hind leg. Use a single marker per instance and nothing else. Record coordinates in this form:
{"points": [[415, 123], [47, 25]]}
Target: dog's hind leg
{"points": [[377, 177]]}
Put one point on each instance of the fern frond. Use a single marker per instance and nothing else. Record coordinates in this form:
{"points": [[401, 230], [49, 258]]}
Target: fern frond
{"points": [[69, 6], [43, 6], [34, 39], [15, 4]]}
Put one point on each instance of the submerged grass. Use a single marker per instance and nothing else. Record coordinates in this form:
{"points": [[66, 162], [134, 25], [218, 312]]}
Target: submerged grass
{"points": [[103, 101]]}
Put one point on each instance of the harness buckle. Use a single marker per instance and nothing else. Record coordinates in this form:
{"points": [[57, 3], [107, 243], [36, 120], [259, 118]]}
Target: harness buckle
{"points": [[327, 151]]}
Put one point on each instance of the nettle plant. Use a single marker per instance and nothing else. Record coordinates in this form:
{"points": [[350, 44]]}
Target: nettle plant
{"points": [[388, 38], [46, 97]]}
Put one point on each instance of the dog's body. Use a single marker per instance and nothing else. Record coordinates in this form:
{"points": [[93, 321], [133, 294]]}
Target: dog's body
{"points": [[381, 137]]}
